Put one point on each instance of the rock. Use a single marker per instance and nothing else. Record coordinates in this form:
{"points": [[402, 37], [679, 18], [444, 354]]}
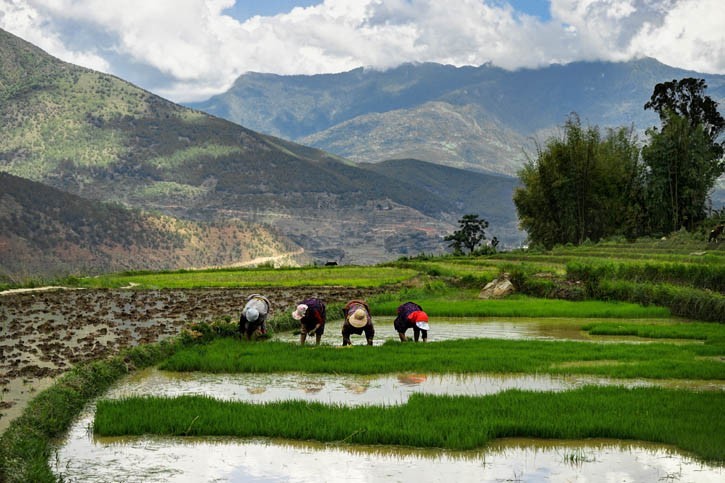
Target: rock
{"points": [[497, 288]]}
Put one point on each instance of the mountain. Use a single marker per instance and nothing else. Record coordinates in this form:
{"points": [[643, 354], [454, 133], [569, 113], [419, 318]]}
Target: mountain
{"points": [[98, 137], [47, 233], [490, 195], [480, 118]]}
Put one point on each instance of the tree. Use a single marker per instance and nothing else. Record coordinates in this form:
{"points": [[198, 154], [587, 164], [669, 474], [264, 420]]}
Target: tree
{"points": [[682, 167], [581, 186], [471, 233], [683, 159], [686, 98]]}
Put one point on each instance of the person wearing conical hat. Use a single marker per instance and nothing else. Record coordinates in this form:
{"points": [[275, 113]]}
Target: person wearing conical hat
{"points": [[254, 316], [312, 316], [357, 320], [410, 315]]}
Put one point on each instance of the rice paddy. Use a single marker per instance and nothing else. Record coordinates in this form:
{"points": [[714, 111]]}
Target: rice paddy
{"points": [[348, 276], [626, 359]]}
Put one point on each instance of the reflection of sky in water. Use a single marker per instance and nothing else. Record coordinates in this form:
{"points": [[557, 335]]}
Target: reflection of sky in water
{"points": [[355, 390], [514, 328], [81, 458]]}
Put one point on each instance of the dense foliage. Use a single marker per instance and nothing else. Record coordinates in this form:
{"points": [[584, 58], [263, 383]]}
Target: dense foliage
{"points": [[585, 186], [580, 187]]}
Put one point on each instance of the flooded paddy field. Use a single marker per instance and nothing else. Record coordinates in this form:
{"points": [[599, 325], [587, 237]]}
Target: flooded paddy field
{"points": [[353, 390], [81, 457], [44, 333], [509, 328]]}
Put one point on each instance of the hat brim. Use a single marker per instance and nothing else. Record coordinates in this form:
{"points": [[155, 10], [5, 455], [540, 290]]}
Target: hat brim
{"points": [[296, 315], [422, 325], [358, 323]]}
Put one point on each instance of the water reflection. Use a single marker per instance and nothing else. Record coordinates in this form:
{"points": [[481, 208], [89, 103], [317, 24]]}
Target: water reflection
{"points": [[353, 389], [81, 458], [514, 328]]}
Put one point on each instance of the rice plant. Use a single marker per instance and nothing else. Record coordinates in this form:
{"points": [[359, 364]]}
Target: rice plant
{"points": [[690, 420]]}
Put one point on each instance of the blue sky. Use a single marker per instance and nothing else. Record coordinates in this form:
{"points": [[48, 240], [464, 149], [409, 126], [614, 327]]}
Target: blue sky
{"points": [[245, 9], [189, 50]]}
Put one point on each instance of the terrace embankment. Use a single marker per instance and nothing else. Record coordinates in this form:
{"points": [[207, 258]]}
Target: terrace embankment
{"points": [[44, 333]]}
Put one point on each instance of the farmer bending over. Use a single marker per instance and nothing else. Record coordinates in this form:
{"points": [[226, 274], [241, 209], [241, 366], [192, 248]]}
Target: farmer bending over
{"points": [[311, 314], [411, 315], [254, 316], [357, 320]]}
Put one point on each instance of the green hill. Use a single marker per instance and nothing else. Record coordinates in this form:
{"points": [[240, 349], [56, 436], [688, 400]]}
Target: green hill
{"points": [[101, 138]]}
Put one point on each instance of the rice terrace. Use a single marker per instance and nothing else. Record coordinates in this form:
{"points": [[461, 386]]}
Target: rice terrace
{"points": [[607, 363]]}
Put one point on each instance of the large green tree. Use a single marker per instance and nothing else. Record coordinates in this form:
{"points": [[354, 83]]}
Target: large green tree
{"points": [[686, 98], [683, 158], [581, 186]]}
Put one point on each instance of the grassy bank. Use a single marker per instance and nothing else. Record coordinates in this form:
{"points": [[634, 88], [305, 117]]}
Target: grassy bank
{"points": [[690, 420], [25, 446], [659, 361]]}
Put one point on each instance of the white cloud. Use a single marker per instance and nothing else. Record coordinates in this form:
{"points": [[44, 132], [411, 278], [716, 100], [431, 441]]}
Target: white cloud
{"points": [[21, 19], [192, 49]]}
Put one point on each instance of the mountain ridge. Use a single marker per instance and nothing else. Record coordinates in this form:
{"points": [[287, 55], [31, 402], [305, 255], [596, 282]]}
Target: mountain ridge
{"points": [[98, 137], [520, 108]]}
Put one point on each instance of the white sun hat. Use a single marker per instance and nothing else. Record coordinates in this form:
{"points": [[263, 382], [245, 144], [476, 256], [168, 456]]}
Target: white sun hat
{"points": [[299, 312], [252, 314]]}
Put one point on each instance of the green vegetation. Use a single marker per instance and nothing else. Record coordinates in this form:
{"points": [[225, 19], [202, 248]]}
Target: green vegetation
{"points": [[657, 361], [691, 420], [465, 304], [348, 276], [25, 447], [471, 233], [690, 330], [582, 187]]}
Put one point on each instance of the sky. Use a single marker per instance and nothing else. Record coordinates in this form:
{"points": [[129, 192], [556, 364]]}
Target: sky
{"points": [[190, 50]]}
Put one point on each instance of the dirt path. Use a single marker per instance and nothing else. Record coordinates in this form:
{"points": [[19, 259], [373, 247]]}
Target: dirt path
{"points": [[44, 332]]}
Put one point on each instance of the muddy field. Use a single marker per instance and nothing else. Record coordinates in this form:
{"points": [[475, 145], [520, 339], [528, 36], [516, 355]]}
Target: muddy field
{"points": [[45, 332]]}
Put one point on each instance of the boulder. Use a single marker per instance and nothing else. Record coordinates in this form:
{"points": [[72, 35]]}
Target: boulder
{"points": [[497, 288]]}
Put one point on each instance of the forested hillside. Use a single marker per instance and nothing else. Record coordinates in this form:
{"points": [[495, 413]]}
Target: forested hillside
{"points": [[45, 233]]}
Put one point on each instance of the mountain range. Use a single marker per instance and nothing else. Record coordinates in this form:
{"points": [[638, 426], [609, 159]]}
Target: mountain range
{"points": [[479, 118], [102, 175], [102, 139]]}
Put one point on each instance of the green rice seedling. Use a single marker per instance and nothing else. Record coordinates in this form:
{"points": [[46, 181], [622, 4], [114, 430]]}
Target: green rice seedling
{"points": [[690, 420], [698, 331], [702, 276], [348, 276], [619, 360], [464, 304]]}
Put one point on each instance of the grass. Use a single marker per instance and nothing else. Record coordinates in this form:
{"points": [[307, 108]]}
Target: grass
{"points": [[348, 276], [464, 303], [25, 446], [619, 360], [697, 331], [690, 420]]}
